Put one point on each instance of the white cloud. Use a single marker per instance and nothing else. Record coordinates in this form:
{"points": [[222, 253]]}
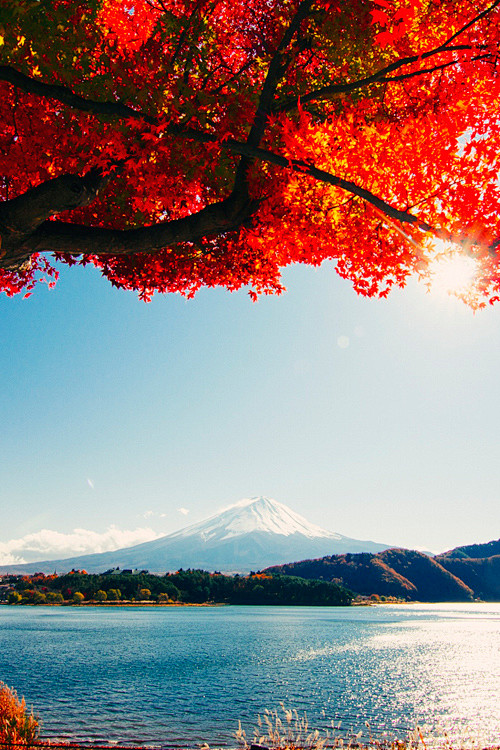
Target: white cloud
{"points": [[52, 545], [150, 513], [184, 511]]}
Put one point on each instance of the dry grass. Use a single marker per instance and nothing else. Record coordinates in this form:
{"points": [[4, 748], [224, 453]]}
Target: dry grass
{"points": [[286, 730], [17, 727]]}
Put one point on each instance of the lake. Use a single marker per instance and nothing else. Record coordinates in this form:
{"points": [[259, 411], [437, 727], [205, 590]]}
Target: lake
{"points": [[184, 676]]}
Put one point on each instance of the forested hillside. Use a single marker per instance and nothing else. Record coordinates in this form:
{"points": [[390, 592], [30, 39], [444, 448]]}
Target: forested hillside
{"points": [[364, 573], [404, 574], [433, 582], [489, 549], [481, 574]]}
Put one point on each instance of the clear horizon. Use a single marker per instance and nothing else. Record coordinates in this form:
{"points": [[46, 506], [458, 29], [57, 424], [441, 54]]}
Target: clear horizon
{"points": [[376, 419]]}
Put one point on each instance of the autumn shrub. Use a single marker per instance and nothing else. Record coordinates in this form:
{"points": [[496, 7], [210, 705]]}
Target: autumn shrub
{"points": [[55, 597], [17, 727]]}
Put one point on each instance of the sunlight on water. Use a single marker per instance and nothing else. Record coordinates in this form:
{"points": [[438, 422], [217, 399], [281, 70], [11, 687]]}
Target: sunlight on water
{"points": [[457, 662], [180, 677]]}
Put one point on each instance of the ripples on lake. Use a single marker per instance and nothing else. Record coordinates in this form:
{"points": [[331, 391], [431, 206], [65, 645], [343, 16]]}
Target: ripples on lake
{"points": [[184, 676]]}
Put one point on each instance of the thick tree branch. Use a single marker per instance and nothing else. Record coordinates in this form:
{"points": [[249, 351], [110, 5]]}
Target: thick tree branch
{"points": [[77, 239], [21, 216], [296, 165], [277, 68], [215, 219], [116, 109]]}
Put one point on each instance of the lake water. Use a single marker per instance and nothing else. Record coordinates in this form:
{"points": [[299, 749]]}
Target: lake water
{"points": [[183, 676]]}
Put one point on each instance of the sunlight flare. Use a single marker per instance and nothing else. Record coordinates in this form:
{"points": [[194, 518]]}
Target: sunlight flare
{"points": [[451, 271]]}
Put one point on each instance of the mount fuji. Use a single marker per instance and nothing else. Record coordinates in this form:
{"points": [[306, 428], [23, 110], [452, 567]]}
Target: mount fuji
{"points": [[250, 535]]}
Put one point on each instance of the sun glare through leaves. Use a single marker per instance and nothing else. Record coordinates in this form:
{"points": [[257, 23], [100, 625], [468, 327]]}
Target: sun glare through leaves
{"points": [[452, 272]]}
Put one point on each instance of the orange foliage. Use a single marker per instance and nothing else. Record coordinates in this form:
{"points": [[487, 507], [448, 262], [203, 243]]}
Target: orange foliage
{"points": [[16, 727]]}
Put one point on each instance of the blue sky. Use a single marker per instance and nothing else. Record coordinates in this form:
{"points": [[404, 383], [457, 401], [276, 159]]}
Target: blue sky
{"points": [[378, 419]]}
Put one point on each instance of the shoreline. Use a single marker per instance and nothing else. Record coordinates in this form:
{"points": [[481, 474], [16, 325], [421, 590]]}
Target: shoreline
{"points": [[339, 743], [154, 605], [117, 604]]}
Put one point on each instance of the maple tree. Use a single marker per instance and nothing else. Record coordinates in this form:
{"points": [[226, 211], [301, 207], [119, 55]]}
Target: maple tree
{"points": [[182, 143]]}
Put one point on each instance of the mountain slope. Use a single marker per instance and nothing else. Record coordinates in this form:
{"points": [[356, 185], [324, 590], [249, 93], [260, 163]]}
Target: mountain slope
{"points": [[482, 574], [394, 572], [363, 573], [248, 536], [433, 582], [489, 549]]}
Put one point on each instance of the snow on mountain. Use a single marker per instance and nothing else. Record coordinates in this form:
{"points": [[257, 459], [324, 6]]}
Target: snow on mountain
{"points": [[254, 514], [250, 535]]}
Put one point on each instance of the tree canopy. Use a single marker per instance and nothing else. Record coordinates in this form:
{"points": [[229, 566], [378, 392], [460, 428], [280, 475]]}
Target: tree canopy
{"points": [[177, 144], [194, 586]]}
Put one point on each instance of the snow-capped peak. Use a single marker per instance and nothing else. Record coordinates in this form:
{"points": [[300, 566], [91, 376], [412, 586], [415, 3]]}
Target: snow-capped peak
{"points": [[250, 535], [255, 514]]}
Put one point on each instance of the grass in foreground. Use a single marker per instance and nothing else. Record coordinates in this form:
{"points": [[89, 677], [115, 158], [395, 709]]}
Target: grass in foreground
{"points": [[20, 729], [17, 727], [289, 731]]}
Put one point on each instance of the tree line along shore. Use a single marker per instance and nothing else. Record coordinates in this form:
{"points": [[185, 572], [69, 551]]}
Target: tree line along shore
{"points": [[464, 574], [182, 587]]}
